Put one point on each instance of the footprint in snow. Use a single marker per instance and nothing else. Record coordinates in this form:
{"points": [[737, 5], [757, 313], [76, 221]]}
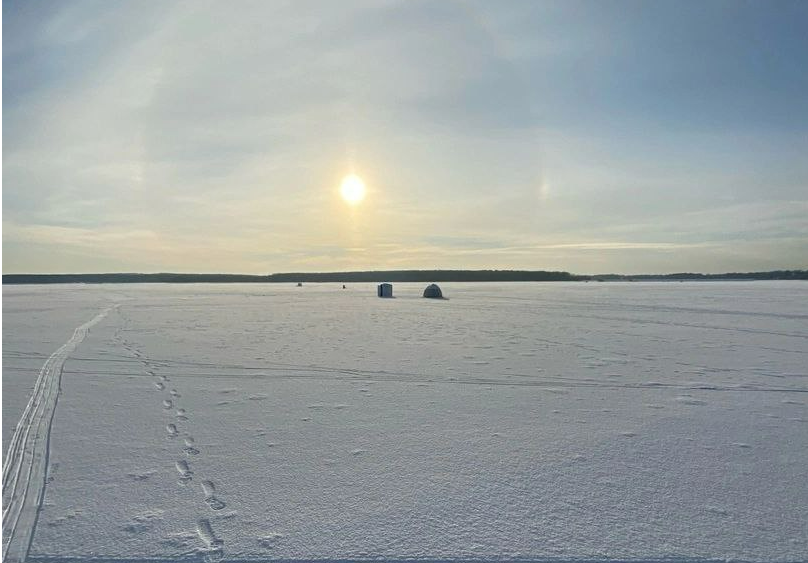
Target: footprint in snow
{"points": [[209, 489], [159, 385], [167, 404], [189, 448], [185, 472], [171, 430], [214, 545]]}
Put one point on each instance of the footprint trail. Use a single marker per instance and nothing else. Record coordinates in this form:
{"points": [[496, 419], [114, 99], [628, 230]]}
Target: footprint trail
{"points": [[213, 546]]}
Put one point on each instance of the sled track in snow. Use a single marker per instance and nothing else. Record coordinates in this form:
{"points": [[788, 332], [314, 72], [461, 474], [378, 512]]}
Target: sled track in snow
{"points": [[26, 464]]}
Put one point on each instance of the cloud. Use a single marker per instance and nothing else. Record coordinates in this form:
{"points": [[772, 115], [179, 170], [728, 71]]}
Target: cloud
{"points": [[209, 136]]}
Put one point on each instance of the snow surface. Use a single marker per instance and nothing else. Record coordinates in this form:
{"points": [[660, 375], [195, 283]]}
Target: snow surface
{"points": [[524, 421]]}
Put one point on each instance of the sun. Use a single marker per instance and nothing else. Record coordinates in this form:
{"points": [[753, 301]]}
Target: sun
{"points": [[352, 189]]}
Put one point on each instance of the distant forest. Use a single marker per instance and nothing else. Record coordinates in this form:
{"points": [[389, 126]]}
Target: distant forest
{"points": [[392, 276]]}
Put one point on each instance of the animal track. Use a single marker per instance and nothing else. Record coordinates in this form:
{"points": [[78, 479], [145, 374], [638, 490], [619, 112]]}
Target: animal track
{"points": [[167, 404], [175, 393], [159, 385], [171, 429]]}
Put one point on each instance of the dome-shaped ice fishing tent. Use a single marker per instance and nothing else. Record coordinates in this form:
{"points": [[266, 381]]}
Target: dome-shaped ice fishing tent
{"points": [[433, 292]]}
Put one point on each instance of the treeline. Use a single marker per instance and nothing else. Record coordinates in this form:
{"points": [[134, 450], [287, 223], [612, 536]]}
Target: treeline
{"points": [[773, 275], [130, 278], [293, 277], [392, 276], [426, 276]]}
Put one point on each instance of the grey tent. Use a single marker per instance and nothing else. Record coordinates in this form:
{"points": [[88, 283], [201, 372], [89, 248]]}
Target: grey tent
{"points": [[384, 290], [433, 292]]}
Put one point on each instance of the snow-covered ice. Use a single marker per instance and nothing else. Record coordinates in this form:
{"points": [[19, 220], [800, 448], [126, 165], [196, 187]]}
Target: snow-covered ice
{"points": [[523, 421]]}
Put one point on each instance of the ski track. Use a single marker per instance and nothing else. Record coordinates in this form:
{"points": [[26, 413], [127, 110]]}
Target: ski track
{"points": [[212, 548], [25, 468]]}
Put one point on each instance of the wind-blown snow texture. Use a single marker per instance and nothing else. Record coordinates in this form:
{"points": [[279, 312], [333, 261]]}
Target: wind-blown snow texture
{"points": [[599, 421]]}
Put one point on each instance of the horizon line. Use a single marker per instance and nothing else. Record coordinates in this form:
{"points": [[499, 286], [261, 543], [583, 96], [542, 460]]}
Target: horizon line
{"points": [[557, 275]]}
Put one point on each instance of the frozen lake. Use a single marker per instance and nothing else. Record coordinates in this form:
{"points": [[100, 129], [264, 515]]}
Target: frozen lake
{"points": [[523, 421]]}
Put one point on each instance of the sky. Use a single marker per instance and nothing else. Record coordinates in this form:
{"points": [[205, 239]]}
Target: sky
{"points": [[591, 137]]}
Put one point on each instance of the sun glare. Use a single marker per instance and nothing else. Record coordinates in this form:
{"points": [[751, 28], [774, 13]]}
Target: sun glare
{"points": [[352, 189]]}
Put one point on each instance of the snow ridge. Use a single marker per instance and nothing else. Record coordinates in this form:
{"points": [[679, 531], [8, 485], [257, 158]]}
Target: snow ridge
{"points": [[26, 463]]}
